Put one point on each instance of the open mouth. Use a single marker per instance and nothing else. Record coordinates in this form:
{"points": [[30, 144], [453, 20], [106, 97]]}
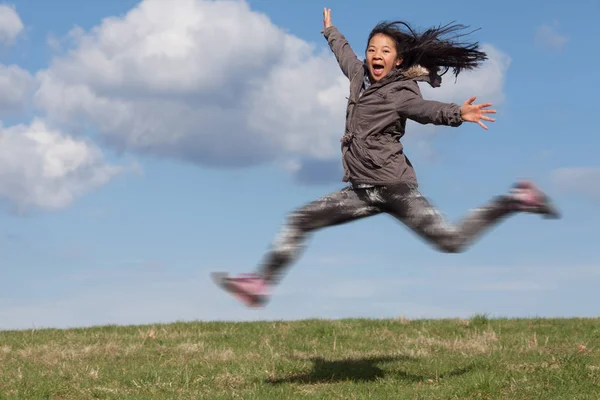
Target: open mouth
{"points": [[377, 69]]}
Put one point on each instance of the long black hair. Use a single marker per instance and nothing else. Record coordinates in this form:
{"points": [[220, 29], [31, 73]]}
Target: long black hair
{"points": [[430, 48]]}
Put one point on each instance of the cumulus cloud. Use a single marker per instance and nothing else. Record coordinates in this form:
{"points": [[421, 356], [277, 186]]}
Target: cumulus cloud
{"points": [[584, 181], [215, 84], [547, 37], [485, 82], [15, 86], [10, 24], [41, 168]]}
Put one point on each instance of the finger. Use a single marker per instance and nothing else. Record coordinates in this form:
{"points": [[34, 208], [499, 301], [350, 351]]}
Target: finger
{"points": [[487, 111], [471, 100], [484, 105], [488, 118], [482, 125]]}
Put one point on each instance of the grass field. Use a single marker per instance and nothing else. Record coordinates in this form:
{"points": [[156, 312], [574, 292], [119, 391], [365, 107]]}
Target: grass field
{"points": [[479, 358]]}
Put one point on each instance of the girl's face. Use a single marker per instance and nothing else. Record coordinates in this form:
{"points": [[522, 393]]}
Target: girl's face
{"points": [[382, 56]]}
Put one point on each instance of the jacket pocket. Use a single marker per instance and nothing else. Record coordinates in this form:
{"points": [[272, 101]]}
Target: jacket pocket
{"points": [[364, 154], [375, 150]]}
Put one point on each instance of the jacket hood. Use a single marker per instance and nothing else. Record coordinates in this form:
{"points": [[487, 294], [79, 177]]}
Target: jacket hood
{"points": [[420, 73]]}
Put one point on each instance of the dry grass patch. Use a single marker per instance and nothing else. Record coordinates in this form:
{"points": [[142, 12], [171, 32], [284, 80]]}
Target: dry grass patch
{"points": [[473, 343], [226, 354], [191, 348], [229, 381]]}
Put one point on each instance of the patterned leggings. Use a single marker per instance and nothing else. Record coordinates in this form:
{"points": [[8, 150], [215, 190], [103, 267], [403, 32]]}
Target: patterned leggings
{"points": [[403, 202]]}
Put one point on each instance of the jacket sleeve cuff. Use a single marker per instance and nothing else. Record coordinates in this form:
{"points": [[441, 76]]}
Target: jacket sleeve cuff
{"points": [[327, 32], [454, 119]]}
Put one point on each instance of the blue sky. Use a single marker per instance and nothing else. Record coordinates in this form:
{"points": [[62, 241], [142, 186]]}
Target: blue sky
{"points": [[145, 144]]}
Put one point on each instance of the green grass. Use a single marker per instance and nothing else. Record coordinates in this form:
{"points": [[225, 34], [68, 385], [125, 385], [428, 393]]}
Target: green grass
{"points": [[480, 358]]}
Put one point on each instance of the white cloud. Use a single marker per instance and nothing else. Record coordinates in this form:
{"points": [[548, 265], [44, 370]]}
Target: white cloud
{"points": [[213, 83], [209, 82], [583, 181], [15, 86], [547, 37], [10, 24], [485, 82], [41, 168]]}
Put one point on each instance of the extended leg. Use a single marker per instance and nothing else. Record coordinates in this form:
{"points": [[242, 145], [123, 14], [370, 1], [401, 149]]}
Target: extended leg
{"points": [[423, 218], [337, 208]]}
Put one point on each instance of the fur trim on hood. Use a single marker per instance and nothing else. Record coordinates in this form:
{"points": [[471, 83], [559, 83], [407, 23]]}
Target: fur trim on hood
{"points": [[419, 73]]}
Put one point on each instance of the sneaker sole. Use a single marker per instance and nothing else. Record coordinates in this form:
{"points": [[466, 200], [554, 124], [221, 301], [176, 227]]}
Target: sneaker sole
{"points": [[221, 280]]}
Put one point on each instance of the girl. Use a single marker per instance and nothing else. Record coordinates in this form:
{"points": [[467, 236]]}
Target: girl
{"points": [[383, 94]]}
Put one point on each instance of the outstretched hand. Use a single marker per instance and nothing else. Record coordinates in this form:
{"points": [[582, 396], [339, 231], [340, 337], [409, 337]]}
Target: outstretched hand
{"points": [[475, 113], [326, 18]]}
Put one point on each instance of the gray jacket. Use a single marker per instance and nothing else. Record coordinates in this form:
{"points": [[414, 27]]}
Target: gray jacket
{"points": [[376, 120]]}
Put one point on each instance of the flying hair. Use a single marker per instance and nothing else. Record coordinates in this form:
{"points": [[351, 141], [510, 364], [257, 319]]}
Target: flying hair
{"points": [[436, 48]]}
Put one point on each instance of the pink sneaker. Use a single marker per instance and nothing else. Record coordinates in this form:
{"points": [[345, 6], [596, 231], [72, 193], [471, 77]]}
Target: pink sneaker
{"points": [[251, 289], [531, 199]]}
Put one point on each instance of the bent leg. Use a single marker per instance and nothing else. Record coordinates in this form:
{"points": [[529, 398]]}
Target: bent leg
{"points": [[337, 208], [415, 211]]}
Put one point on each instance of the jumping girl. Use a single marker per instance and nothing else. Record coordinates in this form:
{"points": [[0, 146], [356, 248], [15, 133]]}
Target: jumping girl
{"points": [[384, 93]]}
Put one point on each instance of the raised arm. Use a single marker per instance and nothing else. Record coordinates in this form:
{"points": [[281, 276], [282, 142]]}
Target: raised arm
{"points": [[346, 58], [411, 105]]}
